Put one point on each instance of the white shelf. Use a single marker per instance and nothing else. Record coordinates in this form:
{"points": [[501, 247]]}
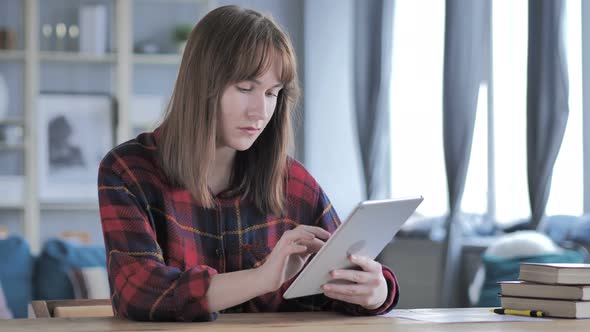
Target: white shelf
{"points": [[11, 147], [77, 57], [69, 206], [11, 207], [11, 55], [157, 59], [173, 1], [12, 121]]}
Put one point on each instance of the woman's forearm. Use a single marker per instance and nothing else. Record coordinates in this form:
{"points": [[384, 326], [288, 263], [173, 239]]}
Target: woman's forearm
{"points": [[229, 289]]}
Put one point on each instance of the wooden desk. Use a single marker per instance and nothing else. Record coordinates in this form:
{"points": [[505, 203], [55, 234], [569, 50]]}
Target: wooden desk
{"points": [[307, 322]]}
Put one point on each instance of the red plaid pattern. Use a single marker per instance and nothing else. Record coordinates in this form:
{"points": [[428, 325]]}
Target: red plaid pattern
{"points": [[163, 248]]}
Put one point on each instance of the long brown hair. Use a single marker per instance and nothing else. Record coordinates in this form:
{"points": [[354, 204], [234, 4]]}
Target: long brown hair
{"points": [[229, 45]]}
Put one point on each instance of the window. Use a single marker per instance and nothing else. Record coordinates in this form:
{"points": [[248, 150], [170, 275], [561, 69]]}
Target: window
{"points": [[498, 156], [509, 44], [416, 90], [567, 184]]}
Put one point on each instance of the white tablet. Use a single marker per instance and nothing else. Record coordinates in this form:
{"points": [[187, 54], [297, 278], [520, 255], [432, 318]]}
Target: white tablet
{"points": [[368, 229]]}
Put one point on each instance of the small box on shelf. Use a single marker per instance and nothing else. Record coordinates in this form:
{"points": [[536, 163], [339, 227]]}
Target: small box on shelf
{"points": [[7, 38]]}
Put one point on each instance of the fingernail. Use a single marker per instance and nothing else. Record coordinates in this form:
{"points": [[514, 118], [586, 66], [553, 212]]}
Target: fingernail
{"points": [[354, 257]]}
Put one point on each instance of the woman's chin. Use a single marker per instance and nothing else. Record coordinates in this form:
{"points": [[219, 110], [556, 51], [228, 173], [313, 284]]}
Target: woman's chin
{"points": [[242, 146]]}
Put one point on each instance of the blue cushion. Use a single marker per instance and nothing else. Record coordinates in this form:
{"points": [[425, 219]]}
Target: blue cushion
{"points": [[58, 257], [16, 270], [561, 228], [503, 269]]}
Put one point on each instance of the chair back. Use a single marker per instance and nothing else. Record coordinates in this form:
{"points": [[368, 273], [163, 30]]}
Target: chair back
{"points": [[70, 308]]}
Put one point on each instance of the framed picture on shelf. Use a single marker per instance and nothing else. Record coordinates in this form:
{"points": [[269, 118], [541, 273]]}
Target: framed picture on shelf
{"points": [[75, 133]]}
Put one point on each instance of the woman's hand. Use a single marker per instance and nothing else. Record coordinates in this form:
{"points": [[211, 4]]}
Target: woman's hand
{"points": [[369, 288], [290, 254]]}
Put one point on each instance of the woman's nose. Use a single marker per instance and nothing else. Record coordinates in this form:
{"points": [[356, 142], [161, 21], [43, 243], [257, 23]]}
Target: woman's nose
{"points": [[257, 108]]}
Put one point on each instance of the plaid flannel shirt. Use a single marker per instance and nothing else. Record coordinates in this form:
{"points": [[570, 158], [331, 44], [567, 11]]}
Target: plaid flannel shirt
{"points": [[163, 248]]}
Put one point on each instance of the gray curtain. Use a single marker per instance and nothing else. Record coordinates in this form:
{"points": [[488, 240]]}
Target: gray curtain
{"points": [[373, 40], [547, 99], [466, 65]]}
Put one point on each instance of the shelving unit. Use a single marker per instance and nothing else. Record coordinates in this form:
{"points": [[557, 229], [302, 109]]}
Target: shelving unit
{"points": [[11, 55], [11, 121], [11, 207], [162, 59], [121, 60], [16, 147], [77, 57]]}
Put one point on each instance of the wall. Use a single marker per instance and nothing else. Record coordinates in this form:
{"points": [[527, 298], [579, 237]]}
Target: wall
{"points": [[331, 152]]}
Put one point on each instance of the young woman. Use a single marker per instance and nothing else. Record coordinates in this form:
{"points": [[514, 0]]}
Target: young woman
{"points": [[208, 213]]}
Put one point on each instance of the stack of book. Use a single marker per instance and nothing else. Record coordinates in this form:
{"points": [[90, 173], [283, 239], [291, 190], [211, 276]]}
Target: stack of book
{"points": [[558, 290]]}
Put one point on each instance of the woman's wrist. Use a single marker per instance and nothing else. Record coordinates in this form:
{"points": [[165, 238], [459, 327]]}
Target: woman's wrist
{"points": [[233, 288], [264, 283]]}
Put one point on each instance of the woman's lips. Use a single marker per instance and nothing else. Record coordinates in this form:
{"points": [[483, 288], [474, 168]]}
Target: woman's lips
{"points": [[250, 130]]}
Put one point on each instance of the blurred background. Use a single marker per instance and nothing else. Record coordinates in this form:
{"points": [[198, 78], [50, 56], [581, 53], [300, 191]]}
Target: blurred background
{"points": [[480, 106]]}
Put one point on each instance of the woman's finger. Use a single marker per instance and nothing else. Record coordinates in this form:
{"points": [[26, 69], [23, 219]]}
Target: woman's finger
{"points": [[314, 245], [296, 249], [359, 277], [366, 263], [348, 290], [316, 231], [297, 235]]}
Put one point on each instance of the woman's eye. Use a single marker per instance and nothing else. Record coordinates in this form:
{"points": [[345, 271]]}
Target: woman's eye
{"points": [[241, 89], [274, 94]]}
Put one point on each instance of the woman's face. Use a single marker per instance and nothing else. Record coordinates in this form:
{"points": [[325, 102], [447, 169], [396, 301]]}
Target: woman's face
{"points": [[246, 109]]}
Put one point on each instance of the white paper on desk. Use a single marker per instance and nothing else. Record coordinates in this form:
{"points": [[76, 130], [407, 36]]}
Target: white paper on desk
{"points": [[458, 316]]}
